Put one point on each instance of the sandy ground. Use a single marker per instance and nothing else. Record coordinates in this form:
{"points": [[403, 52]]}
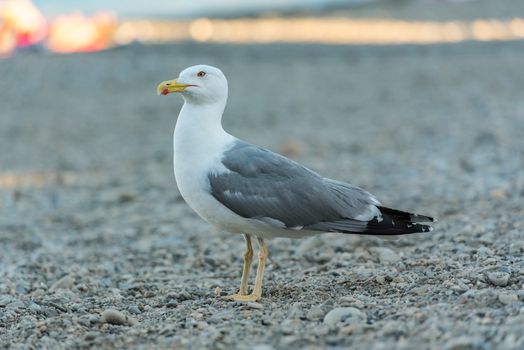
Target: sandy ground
{"points": [[91, 220]]}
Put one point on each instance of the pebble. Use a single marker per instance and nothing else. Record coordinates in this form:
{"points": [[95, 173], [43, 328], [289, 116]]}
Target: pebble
{"points": [[321, 330], [380, 279], [134, 309], [516, 248], [296, 311], [499, 278], [65, 282], [315, 313], [116, 317], [6, 300], [348, 300], [385, 255], [22, 287], [306, 246], [255, 305], [35, 308], [479, 297], [287, 327], [344, 314], [90, 336], [508, 298]]}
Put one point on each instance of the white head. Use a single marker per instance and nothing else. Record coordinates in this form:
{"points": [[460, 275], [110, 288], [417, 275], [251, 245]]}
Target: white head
{"points": [[198, 85]]}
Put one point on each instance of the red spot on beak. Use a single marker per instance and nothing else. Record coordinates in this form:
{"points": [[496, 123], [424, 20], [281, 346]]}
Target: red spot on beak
{"points": [[165, 91]]}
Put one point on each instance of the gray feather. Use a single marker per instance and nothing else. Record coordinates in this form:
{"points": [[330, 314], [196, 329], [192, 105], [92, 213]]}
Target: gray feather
{"points": [[264, 185]]}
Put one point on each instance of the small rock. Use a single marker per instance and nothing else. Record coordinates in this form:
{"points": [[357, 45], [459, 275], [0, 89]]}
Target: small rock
{"points": [[306, 246], [516, 247], [499, 278], [255, 305], [116, 317], [90, 336], [296, 311], [344, 314], [385, 255], [380, 279], [22, 287], [321, 330], [134, 309], [460, 286], [6, 300], [315, 313], [508, 298], [287, 327], [35, 308], [65, 282], [50, 312], [17, 304], [84, 321], [348, 300], [202, 325], [479, 297], [484, 252], [197, 315], [126, 197]]}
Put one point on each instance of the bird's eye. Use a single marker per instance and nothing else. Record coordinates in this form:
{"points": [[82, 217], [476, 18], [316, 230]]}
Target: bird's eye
{"points": [[201, 74]]}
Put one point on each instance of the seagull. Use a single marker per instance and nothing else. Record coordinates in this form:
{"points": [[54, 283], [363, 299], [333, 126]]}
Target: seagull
{"points": [[242, 188]]}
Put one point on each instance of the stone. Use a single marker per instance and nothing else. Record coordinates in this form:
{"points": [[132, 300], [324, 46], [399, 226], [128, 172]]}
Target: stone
{"points": [[385, 255], [134, 309], [498, 278], [65, 282], [508, 298], [116, 317], [22, 286], [287, 327], [348, 315], [315, 313], [255, 305], [6, 300]]}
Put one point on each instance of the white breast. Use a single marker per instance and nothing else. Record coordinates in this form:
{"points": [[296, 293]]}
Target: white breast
{"points": [[197, 152]]}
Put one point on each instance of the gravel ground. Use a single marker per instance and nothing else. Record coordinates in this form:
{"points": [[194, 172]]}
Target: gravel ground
{"points": [[98, 248]]}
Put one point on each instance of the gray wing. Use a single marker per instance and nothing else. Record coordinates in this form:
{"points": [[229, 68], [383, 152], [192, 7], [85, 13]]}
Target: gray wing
{"points": [[263, 185]]}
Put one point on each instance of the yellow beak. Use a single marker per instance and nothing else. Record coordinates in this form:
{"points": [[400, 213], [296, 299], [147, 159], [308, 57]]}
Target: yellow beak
{"points": [[170, 86]]}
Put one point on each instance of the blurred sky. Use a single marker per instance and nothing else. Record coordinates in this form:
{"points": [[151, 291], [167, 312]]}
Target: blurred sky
{"points": [[183, 8]]}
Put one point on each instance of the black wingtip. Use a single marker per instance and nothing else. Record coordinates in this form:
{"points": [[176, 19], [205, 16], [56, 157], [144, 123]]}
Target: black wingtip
{"points": [[404, 215], [397, 222]]}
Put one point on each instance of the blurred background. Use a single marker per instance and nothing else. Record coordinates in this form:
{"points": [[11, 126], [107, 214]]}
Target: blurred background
{"points": [[65, 26]]}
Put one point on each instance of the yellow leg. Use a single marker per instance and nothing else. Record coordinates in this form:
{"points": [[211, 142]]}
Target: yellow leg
{"points": [[257, 290], [248, 259], [263, 253]]}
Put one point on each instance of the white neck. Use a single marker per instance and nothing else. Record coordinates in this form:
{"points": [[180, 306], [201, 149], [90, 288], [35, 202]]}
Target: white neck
{"points": [[199, 136], [198, 123]]}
